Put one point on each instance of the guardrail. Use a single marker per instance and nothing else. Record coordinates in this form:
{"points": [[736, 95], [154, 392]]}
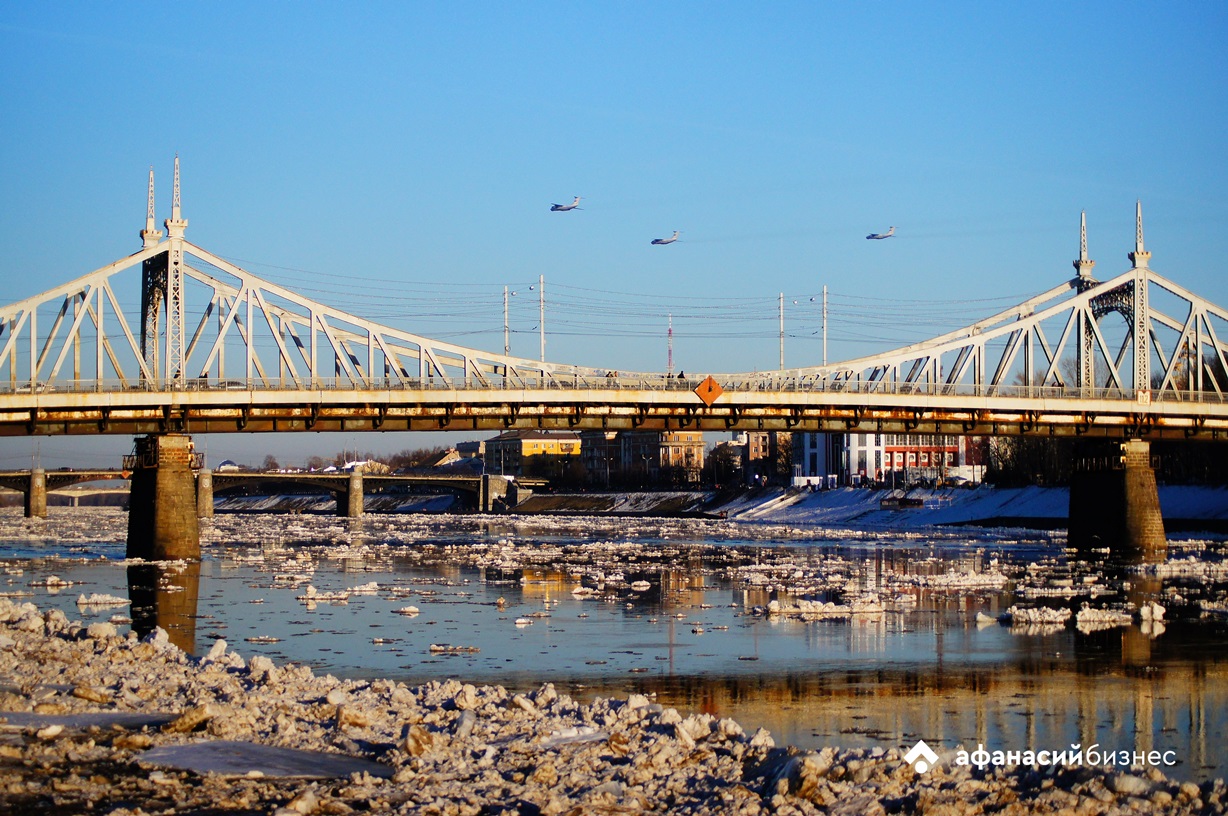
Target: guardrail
{"points": [[764, 385]]}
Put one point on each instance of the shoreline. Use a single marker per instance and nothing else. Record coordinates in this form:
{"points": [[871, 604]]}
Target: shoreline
{"points": [[99, 722]]}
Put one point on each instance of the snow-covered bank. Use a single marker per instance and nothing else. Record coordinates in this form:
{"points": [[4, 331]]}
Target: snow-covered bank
{"points": [[1184, 507]]}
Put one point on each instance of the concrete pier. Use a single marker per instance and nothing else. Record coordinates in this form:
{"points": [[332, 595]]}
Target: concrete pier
{"points": [[349, 503], [36, 494], [162, 523], [204, 493], [492, 493], [1114, 503]]}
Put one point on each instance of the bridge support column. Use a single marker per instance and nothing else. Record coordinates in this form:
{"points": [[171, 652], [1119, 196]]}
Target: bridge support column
{"points": [[162, 524], [491, 490], [1114, 503], [516, 493], [36, 494], [349, 504], [204, 493]]}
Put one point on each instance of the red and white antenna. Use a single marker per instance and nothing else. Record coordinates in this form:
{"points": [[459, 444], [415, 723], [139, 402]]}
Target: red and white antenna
{"points": [[669, 342]]}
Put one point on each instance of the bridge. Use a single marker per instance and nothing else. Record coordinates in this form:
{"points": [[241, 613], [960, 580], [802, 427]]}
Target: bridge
{"points": [[214, 349], [35, 484], [488, 492]]}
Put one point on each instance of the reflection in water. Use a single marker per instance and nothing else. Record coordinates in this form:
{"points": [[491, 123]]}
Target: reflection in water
{"points": [[1030, 707], [936, 665], [165, 595]]}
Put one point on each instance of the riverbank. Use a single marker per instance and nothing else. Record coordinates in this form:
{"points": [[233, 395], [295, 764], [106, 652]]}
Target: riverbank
{"points": [[102, 723], [1184, 507]]}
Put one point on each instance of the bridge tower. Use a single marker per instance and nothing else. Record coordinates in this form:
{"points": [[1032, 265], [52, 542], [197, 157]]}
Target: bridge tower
{"points": [[175, 225], [153, 288], [162, 520], [1114, 500], [1140, 319], [1086, 354], [162, 307]]}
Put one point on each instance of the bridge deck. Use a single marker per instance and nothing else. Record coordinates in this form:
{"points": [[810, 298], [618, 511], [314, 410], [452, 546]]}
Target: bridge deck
{"points": [[606, 404]]}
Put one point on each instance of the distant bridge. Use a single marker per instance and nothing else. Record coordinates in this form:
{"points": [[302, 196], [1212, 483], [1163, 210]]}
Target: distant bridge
{"points": [[349, 487]]}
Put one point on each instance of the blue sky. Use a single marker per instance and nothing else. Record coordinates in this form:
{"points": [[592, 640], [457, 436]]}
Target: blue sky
{"points": [[399, 160]]}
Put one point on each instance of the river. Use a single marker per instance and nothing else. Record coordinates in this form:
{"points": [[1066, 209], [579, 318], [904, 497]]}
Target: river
{"points": [[679, 609]]}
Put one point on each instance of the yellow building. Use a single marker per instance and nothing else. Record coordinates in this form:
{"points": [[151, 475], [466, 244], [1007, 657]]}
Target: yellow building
{"points": [[532, 453]]}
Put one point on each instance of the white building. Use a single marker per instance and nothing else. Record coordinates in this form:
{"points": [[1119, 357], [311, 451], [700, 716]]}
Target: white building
{"points": [[829, 459]]}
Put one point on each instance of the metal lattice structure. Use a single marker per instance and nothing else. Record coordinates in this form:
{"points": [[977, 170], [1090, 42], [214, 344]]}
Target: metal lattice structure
{"points": [[219, 349], [1056, 345]]}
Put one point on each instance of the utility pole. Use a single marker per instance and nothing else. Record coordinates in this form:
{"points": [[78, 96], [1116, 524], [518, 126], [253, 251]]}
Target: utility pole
{"points": [[824, 324], [507, 342], [541, 311], [782, 331]]}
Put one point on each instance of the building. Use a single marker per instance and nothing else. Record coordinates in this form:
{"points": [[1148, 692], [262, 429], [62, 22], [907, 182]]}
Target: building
{"points": [[826, 459], [601, 455], [762, 454], [725, 459], [655, 457], [471, 450], [818, 459], [542, 454], [642, 458]]}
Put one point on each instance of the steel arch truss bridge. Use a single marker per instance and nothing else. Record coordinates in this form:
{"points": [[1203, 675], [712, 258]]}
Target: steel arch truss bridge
{"points": [[176, 339]]}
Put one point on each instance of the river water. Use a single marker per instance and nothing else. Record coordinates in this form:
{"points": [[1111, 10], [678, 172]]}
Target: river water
{"points": [[677, 609]]}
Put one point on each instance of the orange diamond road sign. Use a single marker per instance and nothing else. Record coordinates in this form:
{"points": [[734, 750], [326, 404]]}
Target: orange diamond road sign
{"points": [[709, 391]]}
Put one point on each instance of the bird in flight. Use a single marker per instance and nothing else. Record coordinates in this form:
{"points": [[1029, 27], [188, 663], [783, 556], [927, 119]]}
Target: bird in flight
{"points": [[669, 240], [566, 207]]}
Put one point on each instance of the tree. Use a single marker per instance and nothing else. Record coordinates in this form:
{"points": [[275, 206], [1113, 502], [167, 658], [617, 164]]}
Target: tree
{"points": [[409, 459], [270, 463], [783, 459]]}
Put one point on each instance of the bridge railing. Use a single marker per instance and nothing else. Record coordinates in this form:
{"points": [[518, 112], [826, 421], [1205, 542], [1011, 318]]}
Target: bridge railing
{"points": [[764, 384]]}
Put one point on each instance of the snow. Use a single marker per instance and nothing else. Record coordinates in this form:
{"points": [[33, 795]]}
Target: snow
{"points": [[952, 506]]}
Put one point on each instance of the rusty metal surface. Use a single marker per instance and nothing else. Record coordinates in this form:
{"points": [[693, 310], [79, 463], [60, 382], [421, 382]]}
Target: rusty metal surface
{"points": [[486, 409]]}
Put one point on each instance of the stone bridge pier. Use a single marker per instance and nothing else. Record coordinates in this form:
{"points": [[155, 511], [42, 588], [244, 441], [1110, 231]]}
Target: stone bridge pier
{"points": [[36, 494], [204, 493], [1114, 504], [162, 505], [349, 500]]}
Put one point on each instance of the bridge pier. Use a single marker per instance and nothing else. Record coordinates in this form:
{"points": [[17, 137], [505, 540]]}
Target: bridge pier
{"points": [[1114, 503], [36, 494], [349, 503], [490, 490], [204, 493], [162, 523]]}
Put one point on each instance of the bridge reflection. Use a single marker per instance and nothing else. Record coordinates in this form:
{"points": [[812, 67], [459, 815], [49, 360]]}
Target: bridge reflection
{"points": [[166, 596], [1041, 705]]}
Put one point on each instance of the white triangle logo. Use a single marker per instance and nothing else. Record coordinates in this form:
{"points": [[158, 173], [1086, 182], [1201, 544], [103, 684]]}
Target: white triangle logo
{"points": [[921, 757]]}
